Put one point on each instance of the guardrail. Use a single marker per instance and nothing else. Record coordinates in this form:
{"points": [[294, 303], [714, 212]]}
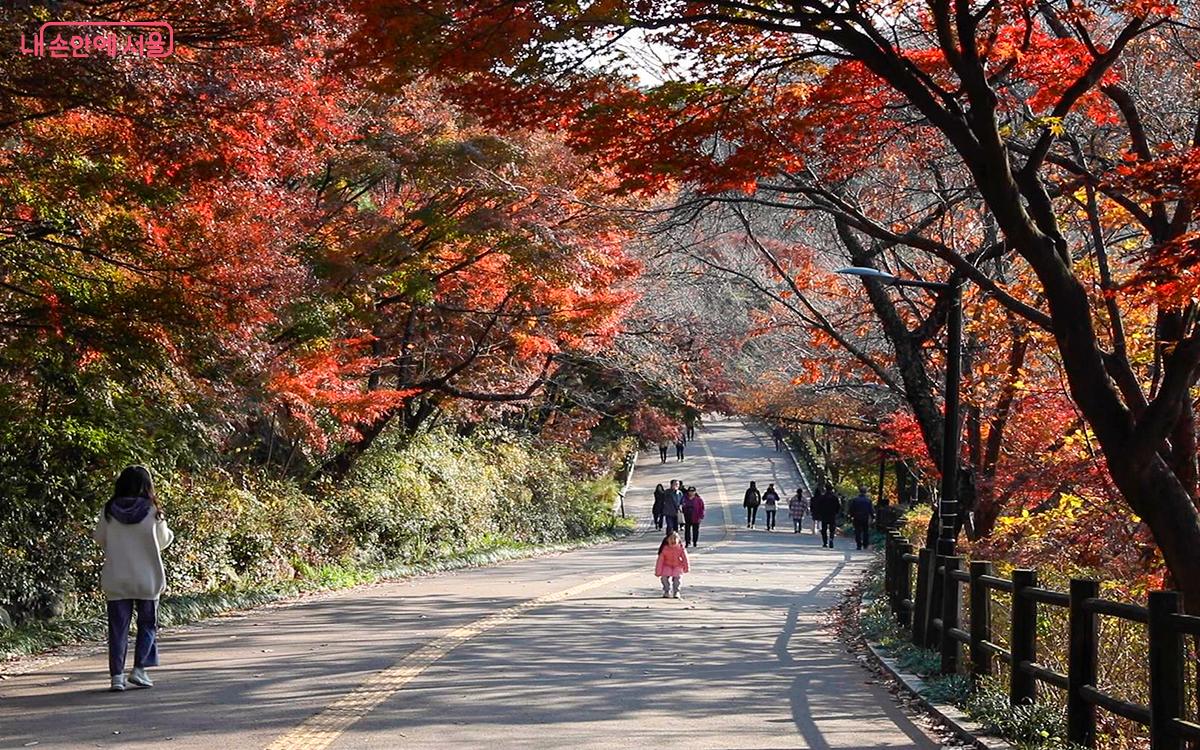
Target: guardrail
{"points": [[630, 465], [933, 613]]}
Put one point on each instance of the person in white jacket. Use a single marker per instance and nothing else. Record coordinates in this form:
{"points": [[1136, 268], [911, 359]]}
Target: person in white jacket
{"points": [[133, 532]]}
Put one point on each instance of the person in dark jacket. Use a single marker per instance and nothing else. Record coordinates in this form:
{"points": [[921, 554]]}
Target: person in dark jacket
{"points": [[656, 510], [672, 503], [825, 508], [751, 502], [862, 510], [771, 501], [662, 452], [693, 514], [779, 434], [679, 443]]}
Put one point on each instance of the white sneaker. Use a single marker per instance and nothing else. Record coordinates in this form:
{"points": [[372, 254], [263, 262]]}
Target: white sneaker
{"points": [[118, 683], [139, 677], [666, 595], [675, 595]]}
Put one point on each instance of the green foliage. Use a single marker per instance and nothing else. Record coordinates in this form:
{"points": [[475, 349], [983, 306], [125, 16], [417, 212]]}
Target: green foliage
{"points": [[56, 465], [916, 524], [409, 501], [921, 661], [1037, 726], [954, 689], [437, 493]]}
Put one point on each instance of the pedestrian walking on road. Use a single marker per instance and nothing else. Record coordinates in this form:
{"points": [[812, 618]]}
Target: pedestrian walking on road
{"points": [[672, 563], [693, 514], [691, 429], [770, 500], [862, 510], [672, 505], [133, 531], [825, 509], [662, 452], [779, 434], [679, 448], [751, 502], [797, 509], [656, 510]]}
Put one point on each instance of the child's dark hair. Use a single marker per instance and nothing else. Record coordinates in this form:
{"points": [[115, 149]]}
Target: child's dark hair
{"points": [[663, 544], [134, 481]]}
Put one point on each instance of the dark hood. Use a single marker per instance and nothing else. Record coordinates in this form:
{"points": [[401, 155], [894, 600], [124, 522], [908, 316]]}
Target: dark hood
{"points": [[128, 509]]}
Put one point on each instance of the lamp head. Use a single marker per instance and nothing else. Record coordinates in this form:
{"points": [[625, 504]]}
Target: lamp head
{"points": [[870, 273]]}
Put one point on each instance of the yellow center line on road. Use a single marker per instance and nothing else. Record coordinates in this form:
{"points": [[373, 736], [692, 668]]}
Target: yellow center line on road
{"points": [[324, 728], [728, 527]]}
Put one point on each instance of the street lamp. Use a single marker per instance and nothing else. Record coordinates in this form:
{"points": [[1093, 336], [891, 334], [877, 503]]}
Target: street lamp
{"points": [[948, 508]]}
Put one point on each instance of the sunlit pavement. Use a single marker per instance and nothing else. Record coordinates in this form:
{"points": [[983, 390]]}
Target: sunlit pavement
{"points": [[744, 660]]}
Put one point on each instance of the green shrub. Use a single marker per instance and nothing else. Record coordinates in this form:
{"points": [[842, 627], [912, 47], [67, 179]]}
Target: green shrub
{"points": [[1037, 726], [921, 661], [408, 500], [954, 689]]}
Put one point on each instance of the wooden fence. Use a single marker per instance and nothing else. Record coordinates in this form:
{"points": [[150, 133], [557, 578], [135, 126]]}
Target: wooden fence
{"points": [[933, 614]]}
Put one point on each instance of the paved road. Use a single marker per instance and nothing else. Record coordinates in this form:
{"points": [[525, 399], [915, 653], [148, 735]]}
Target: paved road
{"points": [[573, 650]]}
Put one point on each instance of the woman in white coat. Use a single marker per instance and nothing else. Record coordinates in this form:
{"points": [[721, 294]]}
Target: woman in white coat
{"points": [[133, 532]]}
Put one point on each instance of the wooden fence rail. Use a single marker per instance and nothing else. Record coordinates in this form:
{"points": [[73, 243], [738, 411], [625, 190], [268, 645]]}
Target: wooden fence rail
{"points": [[932, 613]]}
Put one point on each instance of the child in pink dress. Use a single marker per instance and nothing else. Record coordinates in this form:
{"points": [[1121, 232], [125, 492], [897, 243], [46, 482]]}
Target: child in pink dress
{"points": [[671, 565]]}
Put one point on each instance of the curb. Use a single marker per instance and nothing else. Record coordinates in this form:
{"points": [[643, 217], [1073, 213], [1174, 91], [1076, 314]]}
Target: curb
{"points": [[800, 472], [954, 718]]}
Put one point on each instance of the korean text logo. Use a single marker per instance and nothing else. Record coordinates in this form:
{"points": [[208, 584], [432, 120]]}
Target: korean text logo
{"points": [[65, 39]]}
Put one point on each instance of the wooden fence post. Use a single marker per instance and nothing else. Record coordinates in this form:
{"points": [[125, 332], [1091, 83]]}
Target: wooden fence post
{"points": [[921, 601], [1023, 638], [889, 573], [951, 606], [1082, 668], [981, 621], [936, 589], [1166, 671], [904, 582]]}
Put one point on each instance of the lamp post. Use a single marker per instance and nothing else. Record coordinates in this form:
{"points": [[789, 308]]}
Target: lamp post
{"points": [[948, 507]]}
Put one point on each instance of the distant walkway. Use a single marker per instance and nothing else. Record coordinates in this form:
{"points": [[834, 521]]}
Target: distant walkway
{"points": [[574, 650]]}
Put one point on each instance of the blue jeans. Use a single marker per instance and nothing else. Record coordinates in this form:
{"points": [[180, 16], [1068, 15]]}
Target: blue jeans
{"points": [[145, 649], [672, 522]]}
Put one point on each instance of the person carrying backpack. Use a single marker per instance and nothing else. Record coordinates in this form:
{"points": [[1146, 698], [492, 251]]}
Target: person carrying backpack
{"points": [[771, 501], [751, 502]]}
